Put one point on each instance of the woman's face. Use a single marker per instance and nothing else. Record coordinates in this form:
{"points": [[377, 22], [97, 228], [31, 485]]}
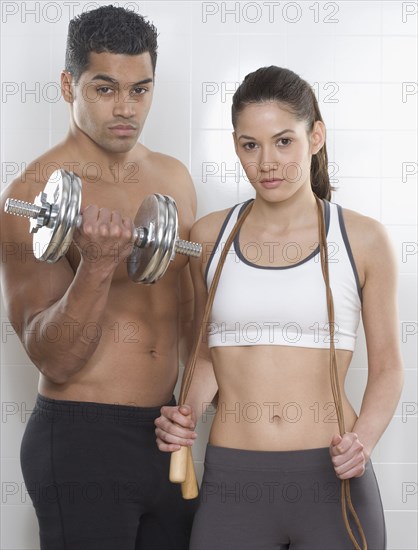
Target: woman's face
{"points": [[275, 149]]}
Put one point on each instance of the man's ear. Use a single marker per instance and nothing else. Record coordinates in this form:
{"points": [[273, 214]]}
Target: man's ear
{"points": [[66, 86], [317, 137]]}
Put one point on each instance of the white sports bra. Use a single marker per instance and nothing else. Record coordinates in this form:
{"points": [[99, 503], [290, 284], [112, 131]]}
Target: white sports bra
{"points": [[262, 305]]}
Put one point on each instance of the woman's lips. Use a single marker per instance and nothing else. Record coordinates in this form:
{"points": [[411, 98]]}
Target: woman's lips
{"points": [[271, 183]]}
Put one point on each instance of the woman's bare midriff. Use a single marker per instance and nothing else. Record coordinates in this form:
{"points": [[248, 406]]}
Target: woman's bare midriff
{"points": [[277, 398]]}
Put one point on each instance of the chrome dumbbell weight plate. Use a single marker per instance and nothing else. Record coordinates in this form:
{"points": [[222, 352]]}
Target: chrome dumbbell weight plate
{"points": [[63, 192], [171, 236], [53, 215], [166, 253], [149, 261], [73, 218]]}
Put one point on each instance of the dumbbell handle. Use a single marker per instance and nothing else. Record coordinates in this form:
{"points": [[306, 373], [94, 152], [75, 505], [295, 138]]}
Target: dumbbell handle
{"points": [[22, 208], [30, 210]]}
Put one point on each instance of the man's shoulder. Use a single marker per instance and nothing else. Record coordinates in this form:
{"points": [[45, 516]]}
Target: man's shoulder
{"points": [[165, 162], [33, 177], [168, 175]]}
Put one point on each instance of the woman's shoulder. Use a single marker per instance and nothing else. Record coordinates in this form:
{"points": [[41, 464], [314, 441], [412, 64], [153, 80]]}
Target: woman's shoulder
{"points": [[359, 226], [208, 227], [368, 237]]}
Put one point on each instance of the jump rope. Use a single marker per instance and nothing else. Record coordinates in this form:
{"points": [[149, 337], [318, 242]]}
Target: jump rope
{"points": [[182, 467]]}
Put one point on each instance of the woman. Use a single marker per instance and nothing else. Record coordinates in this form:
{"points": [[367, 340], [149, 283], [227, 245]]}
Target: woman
{"points": [[275, 457]]}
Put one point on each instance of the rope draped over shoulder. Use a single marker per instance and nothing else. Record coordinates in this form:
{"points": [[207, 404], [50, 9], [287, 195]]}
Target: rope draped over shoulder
{"points": [[190, 367], [335, 386], [189, 370]]}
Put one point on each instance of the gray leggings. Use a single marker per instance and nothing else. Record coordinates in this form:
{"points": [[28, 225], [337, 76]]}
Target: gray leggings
{"points": [[268, 500]]}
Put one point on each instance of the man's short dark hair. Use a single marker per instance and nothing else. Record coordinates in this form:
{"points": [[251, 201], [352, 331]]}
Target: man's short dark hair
{"points": [[108, 29]]}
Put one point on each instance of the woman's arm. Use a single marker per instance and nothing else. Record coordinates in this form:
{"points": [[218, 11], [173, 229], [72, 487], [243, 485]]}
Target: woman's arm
{"points": [[385, 369], [176, 425]]}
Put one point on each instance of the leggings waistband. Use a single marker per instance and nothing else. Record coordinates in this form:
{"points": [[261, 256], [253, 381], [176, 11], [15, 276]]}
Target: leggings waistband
{"points": [[304, 459], [63, 409]]}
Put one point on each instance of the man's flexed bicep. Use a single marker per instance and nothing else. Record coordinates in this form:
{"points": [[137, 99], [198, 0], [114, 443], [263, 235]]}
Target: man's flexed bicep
{"points": [[49, 305]]}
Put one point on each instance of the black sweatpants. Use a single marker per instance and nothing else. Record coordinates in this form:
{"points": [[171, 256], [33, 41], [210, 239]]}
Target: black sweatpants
{"points": [[98, 481], [268, 500]]}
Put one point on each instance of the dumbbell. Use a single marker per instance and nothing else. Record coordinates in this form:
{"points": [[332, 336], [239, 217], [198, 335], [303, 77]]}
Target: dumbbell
{"points": [[55, 214]]}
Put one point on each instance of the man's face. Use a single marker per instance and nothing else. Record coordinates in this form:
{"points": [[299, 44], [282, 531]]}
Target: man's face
{"points": [[112, 99]]}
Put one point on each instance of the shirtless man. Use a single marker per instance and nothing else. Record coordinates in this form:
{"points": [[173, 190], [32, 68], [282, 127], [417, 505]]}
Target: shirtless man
{"points": [[89, 459]]}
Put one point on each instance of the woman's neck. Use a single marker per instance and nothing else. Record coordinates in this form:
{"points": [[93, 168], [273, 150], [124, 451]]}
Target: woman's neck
{"points": [[299, 210]]}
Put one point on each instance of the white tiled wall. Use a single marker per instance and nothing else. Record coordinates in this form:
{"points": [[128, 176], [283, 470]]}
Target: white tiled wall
{"points": [[360, 57]]}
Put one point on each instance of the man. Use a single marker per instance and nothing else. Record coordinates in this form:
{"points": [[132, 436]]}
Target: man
{"points": [[106, 348]]}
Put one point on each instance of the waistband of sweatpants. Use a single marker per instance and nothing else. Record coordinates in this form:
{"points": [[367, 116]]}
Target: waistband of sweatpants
{"points": [[64, 409], [305, 459]]}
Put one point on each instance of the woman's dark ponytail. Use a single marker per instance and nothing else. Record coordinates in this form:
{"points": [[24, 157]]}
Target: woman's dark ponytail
{"points": [[319, 167]]}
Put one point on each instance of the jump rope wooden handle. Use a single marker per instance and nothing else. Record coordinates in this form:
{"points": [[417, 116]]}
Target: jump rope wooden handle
{"points": [[189, 488], [178, 465], [182, 471]]}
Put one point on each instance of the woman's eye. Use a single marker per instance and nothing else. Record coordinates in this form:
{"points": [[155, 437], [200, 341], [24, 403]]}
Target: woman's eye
{"points": [[250, 145], [104, 89], [139, 91], [285, 141]]}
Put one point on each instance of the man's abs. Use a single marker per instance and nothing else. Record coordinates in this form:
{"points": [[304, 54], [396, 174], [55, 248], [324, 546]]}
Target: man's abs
{"points": [[136, 361]]}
